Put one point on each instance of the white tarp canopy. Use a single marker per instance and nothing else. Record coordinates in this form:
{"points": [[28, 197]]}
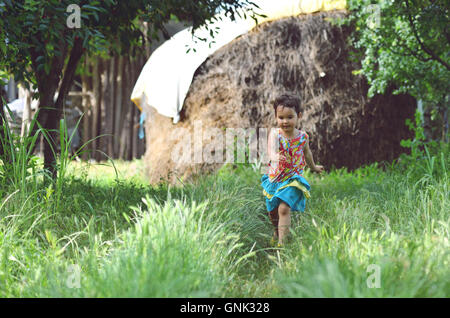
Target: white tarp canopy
{"points": [[167, 75]]}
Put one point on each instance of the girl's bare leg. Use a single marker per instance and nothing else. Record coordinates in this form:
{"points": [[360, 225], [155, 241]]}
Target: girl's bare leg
{"points": [[273, 216], [284, 222]]}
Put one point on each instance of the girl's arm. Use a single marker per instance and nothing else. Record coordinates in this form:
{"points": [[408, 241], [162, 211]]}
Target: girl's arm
{"points": [[310, 161], [274, 149], [273, 145]]}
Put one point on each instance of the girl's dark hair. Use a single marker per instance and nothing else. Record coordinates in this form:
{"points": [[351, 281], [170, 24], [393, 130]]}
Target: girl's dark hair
{"points": [[287, 100]]}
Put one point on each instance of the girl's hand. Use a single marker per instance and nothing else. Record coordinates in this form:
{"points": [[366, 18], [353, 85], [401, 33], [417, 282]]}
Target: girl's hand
{"points": [[318, 169]]}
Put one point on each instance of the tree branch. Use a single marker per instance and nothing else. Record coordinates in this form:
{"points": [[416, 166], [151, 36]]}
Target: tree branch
{"points": [[69, 72], [422, 45], [407, 48]]}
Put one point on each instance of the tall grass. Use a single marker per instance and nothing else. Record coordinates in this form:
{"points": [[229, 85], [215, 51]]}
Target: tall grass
{"points": [[110, 236], [178, 243], [172, 245], [399, 228]]}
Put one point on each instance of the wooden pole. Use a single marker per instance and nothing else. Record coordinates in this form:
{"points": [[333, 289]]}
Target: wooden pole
{"points": [[86, 104], [118, 123], [96, 105]]}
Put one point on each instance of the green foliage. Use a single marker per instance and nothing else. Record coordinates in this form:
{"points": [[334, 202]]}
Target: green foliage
{"points": [[177, 242], [37, 32], [211, 237], [419, 137], [395, 221], [181, 242], [405, 43], [427, 160], [18, 161], [43, 41]]}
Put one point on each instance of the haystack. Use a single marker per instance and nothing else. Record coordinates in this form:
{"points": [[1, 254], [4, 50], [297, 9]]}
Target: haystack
{"points": [[305, 55]]}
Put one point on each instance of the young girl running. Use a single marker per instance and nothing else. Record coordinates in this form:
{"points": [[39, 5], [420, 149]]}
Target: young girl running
{"points": [[284, 187]]}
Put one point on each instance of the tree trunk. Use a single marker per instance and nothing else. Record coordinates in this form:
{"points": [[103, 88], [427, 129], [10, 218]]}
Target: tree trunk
{"points": [[49, 110], [48, 118]]}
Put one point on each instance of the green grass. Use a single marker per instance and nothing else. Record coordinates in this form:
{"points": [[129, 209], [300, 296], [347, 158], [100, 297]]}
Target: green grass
{"points": [[210, 238]]}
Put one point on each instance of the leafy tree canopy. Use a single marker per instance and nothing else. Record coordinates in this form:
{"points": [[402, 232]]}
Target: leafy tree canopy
{"points": [[34, 33], [406, 43], [42, 42]]}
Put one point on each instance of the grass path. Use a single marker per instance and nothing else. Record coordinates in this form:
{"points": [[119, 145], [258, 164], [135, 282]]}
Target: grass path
{"points": [[369, 233]]}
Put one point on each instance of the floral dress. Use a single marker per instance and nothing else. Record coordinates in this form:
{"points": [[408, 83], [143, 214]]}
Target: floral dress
{"points": [[285, 181]]}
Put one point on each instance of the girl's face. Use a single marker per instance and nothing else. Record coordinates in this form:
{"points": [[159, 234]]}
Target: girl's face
{"points": [[287, 119]]}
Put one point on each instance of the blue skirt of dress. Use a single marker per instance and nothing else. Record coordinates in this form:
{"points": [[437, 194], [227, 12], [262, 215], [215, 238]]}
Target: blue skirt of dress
{"points": [[293, 191]]}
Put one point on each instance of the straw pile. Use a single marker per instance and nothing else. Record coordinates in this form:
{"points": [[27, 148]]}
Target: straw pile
{"points": [[304, 55]]}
